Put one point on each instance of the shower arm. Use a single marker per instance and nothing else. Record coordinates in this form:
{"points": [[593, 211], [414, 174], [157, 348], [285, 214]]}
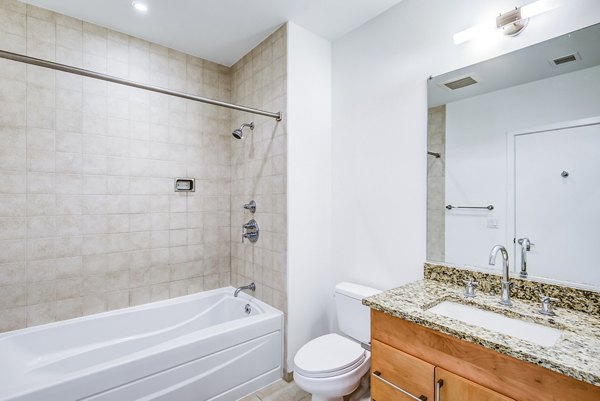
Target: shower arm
{"points": [[110, 78]]}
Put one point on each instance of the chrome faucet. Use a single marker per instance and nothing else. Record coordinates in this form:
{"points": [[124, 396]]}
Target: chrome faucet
{"points": [[525, 247], [250, 286], [505, 291]]}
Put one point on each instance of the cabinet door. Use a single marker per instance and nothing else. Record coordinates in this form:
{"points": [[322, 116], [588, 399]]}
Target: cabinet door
{"points": [[455, 388], [396, 376]]}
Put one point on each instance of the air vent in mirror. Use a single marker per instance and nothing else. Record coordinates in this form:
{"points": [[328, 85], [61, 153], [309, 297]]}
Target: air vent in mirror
{"points": [[569, 58], [460, 82]]}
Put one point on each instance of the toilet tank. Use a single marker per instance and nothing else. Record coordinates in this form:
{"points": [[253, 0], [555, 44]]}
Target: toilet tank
{"points": [[354, 318]]}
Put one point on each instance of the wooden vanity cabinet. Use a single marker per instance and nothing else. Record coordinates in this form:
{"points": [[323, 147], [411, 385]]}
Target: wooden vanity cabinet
{"points": [[408, 362], [455, 388], [398, 376], [394, 371]]}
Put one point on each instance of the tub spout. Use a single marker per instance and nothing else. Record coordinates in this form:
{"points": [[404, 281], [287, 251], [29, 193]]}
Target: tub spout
{"points": [[250, 286]]}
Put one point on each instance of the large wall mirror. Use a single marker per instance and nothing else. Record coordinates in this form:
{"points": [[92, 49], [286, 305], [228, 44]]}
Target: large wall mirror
{"points": [[514, 159]]}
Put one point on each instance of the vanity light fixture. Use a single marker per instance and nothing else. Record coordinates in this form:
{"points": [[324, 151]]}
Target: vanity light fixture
{"points": [[138, 5], [510, 23]]}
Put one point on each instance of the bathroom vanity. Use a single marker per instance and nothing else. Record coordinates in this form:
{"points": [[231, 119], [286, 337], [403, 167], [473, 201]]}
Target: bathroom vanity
{"points": [[420, 353]]}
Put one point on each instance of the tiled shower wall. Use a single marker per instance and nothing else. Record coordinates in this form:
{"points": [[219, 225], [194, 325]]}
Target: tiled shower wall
{"points": [[89, 220], [436, 187], [259, 169]]}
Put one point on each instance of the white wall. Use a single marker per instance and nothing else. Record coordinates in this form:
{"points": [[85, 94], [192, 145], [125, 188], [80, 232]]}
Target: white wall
{"points": [[379, 124], [476, 154], [310, 293]]}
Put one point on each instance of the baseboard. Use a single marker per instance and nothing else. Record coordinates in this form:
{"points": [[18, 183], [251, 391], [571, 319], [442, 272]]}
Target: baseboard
{"points": [[288, 376]]}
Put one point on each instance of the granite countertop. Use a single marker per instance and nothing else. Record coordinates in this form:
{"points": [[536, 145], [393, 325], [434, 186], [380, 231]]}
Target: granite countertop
{"points": [[575, 354]]}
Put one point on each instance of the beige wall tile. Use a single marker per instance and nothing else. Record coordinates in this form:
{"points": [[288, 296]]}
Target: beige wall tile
{"points": [[100, 227], [13, 318], [41, 313], [41, 292], [117, 299], [94, 303], [41, 270], [13, 296], [12, 273], [258, 169], [13, 114], [436, 139], [13, 251], [69, 267], [12, 5], [38, 29], [68, 308]]}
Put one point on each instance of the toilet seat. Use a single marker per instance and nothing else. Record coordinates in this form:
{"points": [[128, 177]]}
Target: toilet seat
{"points": [[329, 355]]}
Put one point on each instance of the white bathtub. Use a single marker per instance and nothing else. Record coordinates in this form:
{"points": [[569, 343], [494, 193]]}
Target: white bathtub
{"points": [[198, 347]]}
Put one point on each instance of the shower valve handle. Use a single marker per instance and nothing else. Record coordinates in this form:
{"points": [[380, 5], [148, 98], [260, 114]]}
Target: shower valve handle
{"points": [[251, 225], [251, 206], [253, 237], [250, 231]]}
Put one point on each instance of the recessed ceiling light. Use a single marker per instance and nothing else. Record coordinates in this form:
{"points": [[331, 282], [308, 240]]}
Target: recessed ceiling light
{"points": [[139, 6]]}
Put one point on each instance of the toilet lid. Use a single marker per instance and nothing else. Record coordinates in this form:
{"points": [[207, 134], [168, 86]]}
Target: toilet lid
{"points": [[328, 355]]}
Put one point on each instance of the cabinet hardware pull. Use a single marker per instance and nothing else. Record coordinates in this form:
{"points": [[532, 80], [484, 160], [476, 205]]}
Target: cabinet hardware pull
{"points": [[377, 375], [438, 389]]}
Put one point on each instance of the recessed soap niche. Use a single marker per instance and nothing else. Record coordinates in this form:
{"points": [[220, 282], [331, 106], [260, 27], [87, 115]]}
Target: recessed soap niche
{"points": [[185, 185]]}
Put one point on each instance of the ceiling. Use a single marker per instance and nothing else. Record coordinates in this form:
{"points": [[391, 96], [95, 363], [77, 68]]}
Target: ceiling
{"points": [[220, 30]]}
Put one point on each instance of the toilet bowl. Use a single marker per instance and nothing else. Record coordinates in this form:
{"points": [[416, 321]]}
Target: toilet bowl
{"points": [[331, 366]]}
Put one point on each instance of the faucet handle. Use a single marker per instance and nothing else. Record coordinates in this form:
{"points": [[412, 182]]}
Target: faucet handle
{"points": [[525, 242], [470, 286], [547, 305], [251, 206], [251, 225], [253, 236]]}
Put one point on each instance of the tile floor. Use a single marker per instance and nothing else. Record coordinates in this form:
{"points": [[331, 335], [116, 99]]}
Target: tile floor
{"points": [[284, 391], [279, 391]]}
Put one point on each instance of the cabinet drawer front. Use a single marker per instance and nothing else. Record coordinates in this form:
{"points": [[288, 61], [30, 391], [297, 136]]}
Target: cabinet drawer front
{"points": [[399, 369], [383, 392], [456, 388]]}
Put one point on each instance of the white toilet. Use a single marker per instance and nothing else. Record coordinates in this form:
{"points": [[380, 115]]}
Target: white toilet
{"points": [[332, 365]]}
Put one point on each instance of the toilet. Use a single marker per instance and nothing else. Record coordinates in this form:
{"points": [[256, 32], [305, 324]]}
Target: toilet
{"points": [[331, 366]]}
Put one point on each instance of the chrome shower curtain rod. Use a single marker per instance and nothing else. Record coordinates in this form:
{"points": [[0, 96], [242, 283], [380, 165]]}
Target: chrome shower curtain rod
{"points": [[109, 78]]}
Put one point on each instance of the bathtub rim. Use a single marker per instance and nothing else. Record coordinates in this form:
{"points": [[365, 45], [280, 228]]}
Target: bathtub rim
{"points": [[268, 309]]}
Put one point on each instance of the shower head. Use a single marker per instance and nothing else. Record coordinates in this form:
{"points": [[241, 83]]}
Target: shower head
{"points": [[239, 133]]}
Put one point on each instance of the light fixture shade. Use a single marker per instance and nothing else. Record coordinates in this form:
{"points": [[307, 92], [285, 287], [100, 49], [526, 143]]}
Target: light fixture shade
{"points": [[510, 23], [538, 7], [140, 6], [473, 32]]}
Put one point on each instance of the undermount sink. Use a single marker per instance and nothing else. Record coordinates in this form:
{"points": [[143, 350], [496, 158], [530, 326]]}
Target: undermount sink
{"points": [[528, 331]]}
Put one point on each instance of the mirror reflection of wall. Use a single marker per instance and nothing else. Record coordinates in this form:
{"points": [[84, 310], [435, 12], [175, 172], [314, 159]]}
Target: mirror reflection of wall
{"points": [[477, 154], [479, 136], [560, 170]]}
